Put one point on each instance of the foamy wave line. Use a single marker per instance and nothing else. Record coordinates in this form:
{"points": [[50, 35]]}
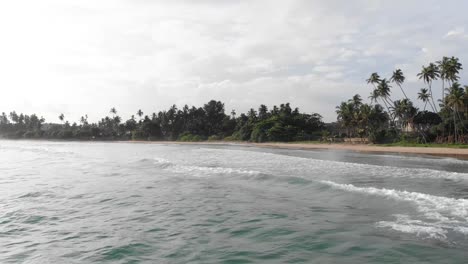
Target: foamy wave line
{"points": [[318, 166], [214, 170], [420, 228], [443, 214], [197, 170], [433, 207], [434, 230], [390, 171], [37, 149]]}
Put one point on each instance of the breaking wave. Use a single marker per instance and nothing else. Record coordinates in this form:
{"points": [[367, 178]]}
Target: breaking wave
{"points": [[440, 215], [322, 167], [200, 170]]}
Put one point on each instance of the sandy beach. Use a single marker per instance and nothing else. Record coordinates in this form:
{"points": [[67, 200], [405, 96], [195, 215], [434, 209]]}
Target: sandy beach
{"points": [[436, 151]]}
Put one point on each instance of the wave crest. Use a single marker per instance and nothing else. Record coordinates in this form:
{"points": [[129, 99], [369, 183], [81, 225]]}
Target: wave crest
{"points": [[440, 214], [200, 170]]}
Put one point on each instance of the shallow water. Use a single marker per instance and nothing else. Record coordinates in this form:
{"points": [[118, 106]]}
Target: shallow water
{"points": [[156, 203]]}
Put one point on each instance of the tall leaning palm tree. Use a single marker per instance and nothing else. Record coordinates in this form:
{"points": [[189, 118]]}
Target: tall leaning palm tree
{"points": [[423, 95], [454, 69], [399, 78], [374, 96], [383, 89], [374, 79], [455, 100], [428, 75], [444, 67]]}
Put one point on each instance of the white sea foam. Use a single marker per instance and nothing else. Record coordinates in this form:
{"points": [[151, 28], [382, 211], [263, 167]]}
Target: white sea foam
{"points": [[320, 167], [425, 158], [433, 207], [384, 171], [37, 149], [420, 228], [439, 215], [213, 170], [201, 170]]}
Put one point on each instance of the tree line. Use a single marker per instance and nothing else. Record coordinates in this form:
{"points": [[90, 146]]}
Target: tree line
{"points": [[209, 122], [386, 118]]}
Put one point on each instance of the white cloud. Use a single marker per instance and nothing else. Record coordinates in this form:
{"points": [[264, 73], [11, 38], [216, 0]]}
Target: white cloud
{"points": [[457, 32], [87, 56]]}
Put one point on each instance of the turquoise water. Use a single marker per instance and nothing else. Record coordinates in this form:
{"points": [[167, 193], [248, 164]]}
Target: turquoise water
{"points": [[156, 203]]}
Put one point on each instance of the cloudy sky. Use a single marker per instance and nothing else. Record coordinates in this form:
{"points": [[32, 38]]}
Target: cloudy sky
{"points": [[84, 57]]}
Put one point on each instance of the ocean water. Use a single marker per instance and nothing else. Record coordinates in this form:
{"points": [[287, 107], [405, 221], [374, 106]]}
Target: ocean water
{"points": [[63, 202]]}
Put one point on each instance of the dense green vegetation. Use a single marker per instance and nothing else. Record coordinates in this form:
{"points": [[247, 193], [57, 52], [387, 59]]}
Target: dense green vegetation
{"points": [[209, 122], [389, 119]]}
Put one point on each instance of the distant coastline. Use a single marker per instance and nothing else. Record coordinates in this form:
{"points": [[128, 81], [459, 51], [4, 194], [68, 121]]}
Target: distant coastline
{"points": [[460, 153]]}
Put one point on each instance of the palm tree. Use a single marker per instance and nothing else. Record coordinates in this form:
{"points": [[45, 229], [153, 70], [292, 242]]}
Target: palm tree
{"points": [[398, 78], [380, 90], [430, 74], [61, 117], [453, 70], [356, 100], [113, 111], [455, 100], [466, 101], [405, 111], [444, 67], [374, 96], [140, 113], [424, 96], [345, 114], [374, 79], [383, 90]]}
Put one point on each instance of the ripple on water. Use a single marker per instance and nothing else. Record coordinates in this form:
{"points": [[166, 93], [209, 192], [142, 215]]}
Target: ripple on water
{"points": [[129, 252]]}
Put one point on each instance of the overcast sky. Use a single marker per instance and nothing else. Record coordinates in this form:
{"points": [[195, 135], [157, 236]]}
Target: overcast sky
{"points": [[86, 56]]}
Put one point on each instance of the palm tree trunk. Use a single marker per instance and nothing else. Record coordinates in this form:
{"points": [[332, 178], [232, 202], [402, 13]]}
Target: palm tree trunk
{"points": [[388, 109], [443, 91], [432, 97], [401, 88], [432, 106], [389, 99], [455, 123]]}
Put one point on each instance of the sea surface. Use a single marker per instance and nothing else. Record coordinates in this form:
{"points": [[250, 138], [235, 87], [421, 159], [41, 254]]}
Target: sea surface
{"points": [[65, 202]]}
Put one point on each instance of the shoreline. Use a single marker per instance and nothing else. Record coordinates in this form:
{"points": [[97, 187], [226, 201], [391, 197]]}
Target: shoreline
{"points": [[433, 151], [459, 153]]}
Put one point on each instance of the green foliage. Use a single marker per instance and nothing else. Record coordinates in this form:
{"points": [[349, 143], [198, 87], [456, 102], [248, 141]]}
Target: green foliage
{"points": [[214, 138], [187, 124], [229, 138], [362, 120], [402, 121], [187, 137], [138, 135]]}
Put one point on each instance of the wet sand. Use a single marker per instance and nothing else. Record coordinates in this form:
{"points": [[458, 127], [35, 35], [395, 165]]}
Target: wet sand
{"points": [[451, 152]]}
